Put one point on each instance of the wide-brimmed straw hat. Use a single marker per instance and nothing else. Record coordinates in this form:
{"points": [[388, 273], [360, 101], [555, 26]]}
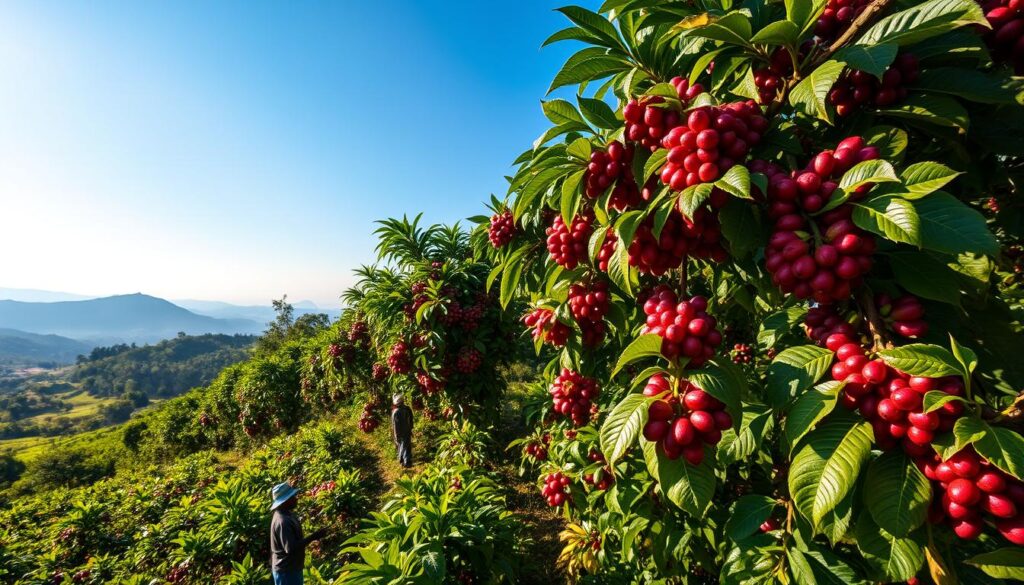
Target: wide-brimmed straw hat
{"points": [[281, 493]]}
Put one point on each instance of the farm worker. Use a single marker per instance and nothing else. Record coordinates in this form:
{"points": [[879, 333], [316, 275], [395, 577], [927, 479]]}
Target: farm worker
{"points": [[287, 546], [401, 429]]}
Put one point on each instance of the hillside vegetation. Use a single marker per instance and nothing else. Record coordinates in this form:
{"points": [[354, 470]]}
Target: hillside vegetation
{"points": [[770, 262]]}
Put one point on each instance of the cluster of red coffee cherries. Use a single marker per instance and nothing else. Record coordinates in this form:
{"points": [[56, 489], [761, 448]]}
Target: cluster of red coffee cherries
{"points": [[589, 302], [970, 488], [556, 489], [700, 237], [742, 353], [604, 478], [685, 327], [547, 327], [648, 119], [905, 315], [379, 372], [573, 394], [368, 421], [359, 332], [893, 401], [614, 167], [828, 266], [823, 321], [604, 255], [539, 451], [710, 143], [858, 88], [429, 384], [468, 360], [398, 358], [837, 17], [682, 424], [769, 80], [1004, 40], [502, 229], [568, 247]]}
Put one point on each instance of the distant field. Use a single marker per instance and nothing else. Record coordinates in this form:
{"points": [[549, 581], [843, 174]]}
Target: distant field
{"points": [[28, 448], [83, 406]]}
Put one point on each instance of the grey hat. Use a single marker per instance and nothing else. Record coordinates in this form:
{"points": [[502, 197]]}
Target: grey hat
{"points": [[281, 493]]}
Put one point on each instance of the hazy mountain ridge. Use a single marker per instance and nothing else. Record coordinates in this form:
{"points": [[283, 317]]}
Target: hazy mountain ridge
{"points": [[135, 317], [22, 346]]}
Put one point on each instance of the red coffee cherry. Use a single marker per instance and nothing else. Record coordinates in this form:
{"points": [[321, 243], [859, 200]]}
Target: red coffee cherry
{"points": [[685, 327], [547, 327], [572, 394], [556, 489], [683, 424], [502, 229], [568, 246]]}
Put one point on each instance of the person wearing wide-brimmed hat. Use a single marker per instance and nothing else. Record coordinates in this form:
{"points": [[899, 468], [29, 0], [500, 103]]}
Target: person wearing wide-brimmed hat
{"points": [[401, 429], [287, 545]]}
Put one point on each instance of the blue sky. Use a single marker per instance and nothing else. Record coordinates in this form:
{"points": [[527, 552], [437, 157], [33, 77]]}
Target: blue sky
{"points": [[237, 151]]}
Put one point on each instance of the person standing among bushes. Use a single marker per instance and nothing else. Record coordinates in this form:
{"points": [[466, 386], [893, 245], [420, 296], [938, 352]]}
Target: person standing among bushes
{"points": [[287, 545], [401, 430]]}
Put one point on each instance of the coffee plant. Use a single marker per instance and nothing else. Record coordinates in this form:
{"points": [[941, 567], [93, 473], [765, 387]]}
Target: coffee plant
{"points": [[827, 188]]}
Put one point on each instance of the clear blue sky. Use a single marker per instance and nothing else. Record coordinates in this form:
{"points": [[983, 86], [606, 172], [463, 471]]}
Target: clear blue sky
{"points": [[240, 150]]}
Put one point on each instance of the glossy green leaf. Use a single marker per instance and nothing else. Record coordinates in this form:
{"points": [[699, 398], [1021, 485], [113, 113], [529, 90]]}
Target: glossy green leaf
{"points": [[747, 515], [810, 94], [918, 359], [947, 225], [1003, 563], [808, 410], [826, 467], [891, 217], [623, 426], [794, 370], [897, 494], [899, 558], [689, 487], [642, 347], [923, 21]]}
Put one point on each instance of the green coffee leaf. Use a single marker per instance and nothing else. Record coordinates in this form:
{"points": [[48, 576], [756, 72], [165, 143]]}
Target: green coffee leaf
{"points": [[1004, 563], [748, 513], [642, 347], [899, 558], [891, 217], [826, 467], [810, 94], [896, 493], [794, 370], [808, 410], [949, 226], [689, 487], [623, 426], [918, 359]]}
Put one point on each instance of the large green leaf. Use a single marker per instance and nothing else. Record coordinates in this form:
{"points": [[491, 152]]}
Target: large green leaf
{"points": [[896, 493], [736, 182], [899, 558], [741, 227], [804, 13], [889, 216], [588, 67], [918, 359], [924, 276], [810, 94], [971, 84], [826, 467], [794, 370], [599, 113], [687, 486], [777, 325], [874, 59], [748, 513], [642, 347], [562, 112], [780, 33], [947, 225], [1004, 563], [923, 21], [1002, 447], [808, 410], [693, 197], [923, 178], [933, 109], [595, 24], [623, 425], [740, 445], [733, 28]]}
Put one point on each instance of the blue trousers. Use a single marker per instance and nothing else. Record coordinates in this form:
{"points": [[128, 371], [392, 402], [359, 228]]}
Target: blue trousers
{"points": [[288, 578], [405, 451]]}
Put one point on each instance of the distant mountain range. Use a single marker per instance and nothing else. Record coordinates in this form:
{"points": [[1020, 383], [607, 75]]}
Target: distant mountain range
{"points": [[127, 318], [260, 313], [19, 347]]}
